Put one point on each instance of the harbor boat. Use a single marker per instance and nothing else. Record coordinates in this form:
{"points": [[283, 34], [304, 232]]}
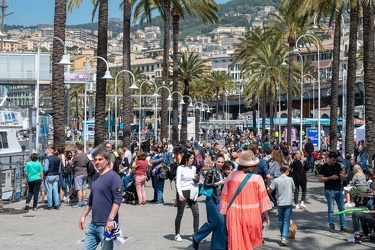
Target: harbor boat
{"points": [[12, 155]]}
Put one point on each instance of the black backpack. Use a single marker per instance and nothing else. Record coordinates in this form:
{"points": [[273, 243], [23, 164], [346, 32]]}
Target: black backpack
{"points": [[172, 171], [90, 169]]}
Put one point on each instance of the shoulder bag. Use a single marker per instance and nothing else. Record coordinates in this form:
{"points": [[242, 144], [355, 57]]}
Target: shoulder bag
{"points": [[208, 191]]}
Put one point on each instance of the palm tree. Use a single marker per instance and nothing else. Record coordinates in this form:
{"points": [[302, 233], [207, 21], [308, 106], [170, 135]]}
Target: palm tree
{"points": [[369, 78], [352, 70], [100, 132], [287, 27], [58, 99], [207, 10], [220, 81], [324, 7], [126, 64], [191, 66]]}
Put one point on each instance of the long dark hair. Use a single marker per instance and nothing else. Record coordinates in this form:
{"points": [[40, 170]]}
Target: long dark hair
{"points": [[186, 157]]}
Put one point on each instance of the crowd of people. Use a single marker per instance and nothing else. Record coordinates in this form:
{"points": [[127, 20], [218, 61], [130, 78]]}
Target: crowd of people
{"points": [[242, 181]]}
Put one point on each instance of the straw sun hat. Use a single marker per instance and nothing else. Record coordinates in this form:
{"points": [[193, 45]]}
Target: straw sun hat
{"points": [[247, 159]]}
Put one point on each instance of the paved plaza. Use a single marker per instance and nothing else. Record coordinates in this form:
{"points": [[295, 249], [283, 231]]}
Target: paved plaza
{"points": [[152, 227]]}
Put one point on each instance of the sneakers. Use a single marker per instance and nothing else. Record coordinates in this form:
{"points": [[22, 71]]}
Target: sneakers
{"points": [[35, 208], [283, 242], [298, 206], [354, 239], [348, 205], [365, 239], [346, 230], [332, 230], [178, 238], [195, 244], [27, 207], [303, 205]]}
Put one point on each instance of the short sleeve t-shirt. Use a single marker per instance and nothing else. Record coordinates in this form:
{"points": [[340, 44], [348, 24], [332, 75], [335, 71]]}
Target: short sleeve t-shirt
{"points": [[328, 171], [284, 186], [80, 161], [33, 169]]}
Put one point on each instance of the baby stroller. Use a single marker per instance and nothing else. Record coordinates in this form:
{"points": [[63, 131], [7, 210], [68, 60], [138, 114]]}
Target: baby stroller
{"points": [[130, 193]]}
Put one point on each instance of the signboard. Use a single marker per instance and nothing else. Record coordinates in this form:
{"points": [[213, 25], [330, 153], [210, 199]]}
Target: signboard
{"points": [[312, 133]]}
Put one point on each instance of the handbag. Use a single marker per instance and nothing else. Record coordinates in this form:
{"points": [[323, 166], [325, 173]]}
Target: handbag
{"points": [[207, 191], [194, 190], [238, 191]]}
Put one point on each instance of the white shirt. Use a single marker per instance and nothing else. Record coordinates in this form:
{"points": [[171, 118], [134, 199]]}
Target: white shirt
{"points": [[170, 148], [129, 156], [184, 178]]}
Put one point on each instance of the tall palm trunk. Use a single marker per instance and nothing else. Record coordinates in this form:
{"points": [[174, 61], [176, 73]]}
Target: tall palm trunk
{"points": [[197, 113], [185, 112], [264, 111], [254, 114], [100, 106], [290, 95], [166, 46], [58, 99], [217, 104], [272, 114], [368, 61], [126, 64], [335, 84], [175, 26], [350, 86]]}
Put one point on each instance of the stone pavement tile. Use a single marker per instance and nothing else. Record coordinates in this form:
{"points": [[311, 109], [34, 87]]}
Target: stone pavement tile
{"points": [[152, 227]]}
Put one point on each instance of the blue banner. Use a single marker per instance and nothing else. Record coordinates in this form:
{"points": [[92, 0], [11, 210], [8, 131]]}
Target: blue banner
{"points": [[312, 133]]}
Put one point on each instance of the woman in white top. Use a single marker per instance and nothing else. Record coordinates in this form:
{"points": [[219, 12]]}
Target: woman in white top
{"points": [[186, 175]]}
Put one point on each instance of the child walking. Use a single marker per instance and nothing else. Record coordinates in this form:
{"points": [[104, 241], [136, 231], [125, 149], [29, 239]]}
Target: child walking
{"points": [[284, 187]]}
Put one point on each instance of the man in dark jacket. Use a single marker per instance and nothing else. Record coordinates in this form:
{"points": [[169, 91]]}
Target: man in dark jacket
{"points": [[309, 149], [52, 170]]}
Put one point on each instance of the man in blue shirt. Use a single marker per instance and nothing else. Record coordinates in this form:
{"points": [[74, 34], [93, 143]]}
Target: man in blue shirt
{"points": [[157, 183], [104, 202], [262, 165]]}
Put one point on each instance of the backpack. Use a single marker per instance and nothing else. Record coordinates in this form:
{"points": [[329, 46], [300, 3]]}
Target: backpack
{"points": [[164, 170], [67, 170], [172, 171], [117, 164], [90, 169]]}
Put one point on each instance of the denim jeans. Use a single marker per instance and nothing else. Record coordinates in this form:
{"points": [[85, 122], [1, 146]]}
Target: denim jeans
{"points": [[332, 196], [52, 188], [310, 161], [284, 212], [159, 188], [94, 236], [215, 224]]}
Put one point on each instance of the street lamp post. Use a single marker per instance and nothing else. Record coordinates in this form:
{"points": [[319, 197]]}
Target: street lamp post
{"points": [[301, 116], [107, 75], [313, 92], [317, 46], [169, 99], [239, 85], [343, 110], [179, 118], [65, 60], [364, 101], [278, 93], [134, 86], [116, 77]]}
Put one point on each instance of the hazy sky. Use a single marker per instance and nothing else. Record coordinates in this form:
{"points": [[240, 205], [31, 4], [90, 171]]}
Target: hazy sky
{"points": [[33, 12]]}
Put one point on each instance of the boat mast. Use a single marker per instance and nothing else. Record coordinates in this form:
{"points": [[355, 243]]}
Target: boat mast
{"points": [[3, 7]]}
